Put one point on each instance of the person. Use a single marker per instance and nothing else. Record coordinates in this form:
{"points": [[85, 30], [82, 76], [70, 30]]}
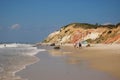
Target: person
{"points": [[4, 45], [75, 44], [80, 45]]}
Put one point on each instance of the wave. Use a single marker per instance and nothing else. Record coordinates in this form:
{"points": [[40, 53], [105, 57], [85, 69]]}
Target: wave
{"points": [[15, 57], [14, 45], [19, 49]]}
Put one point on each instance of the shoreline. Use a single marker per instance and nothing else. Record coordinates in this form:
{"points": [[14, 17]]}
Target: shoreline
{"points": [[103, 57], [99, 57]]}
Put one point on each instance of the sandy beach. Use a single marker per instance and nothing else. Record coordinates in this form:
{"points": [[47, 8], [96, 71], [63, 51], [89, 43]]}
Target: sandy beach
{"points": [[104, 57], [98, 62]]}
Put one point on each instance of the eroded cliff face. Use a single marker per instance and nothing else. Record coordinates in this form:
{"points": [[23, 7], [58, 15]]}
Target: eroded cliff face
{"points": [[74, 32]]}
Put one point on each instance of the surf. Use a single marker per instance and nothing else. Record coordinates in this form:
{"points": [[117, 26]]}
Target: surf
{"points": [[15, 57]]}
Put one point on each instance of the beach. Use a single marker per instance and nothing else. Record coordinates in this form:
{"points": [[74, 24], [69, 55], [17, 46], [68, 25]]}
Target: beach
{"points": [[97, 62], [104, 57], [60, 40]]}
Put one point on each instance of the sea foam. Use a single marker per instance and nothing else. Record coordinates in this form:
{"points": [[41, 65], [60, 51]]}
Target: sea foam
{"points": [[19, 49], [15, 57]]}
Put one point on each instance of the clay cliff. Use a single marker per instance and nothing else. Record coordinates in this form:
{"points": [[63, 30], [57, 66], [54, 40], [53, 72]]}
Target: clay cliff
{"points": [[92, 33]]}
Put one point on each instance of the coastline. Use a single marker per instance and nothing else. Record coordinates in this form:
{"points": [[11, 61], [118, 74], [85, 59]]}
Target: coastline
{"points": [[15, 58], [101, 57]]}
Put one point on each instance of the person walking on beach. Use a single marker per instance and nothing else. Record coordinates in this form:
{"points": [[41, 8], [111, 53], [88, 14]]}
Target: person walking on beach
{"points": [[77, 45], [80, 45]]}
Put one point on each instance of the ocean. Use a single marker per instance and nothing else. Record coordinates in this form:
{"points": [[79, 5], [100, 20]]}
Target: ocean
{"points": [[15, 57]]}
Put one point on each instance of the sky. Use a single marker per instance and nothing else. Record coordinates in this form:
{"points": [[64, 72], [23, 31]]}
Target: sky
{"points": [[33, 20]]}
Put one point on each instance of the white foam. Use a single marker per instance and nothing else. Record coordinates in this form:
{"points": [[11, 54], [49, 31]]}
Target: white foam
{"points": [[13, 45], [18, 49]]}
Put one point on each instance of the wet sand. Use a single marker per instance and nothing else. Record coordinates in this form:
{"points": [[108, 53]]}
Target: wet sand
{"points": [[104, 57], [98, 62]]}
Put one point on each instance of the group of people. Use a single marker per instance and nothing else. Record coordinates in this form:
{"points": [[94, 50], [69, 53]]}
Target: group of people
{"points": [[77, 45]]}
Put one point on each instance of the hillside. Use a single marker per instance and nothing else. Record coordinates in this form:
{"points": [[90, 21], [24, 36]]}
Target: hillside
{"points": [[83, 31]]}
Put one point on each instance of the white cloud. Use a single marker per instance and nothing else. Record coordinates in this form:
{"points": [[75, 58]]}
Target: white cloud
{"points": [[15, 26], [108, 23]]}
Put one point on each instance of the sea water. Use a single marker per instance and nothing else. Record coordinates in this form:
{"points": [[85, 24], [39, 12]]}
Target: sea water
{"points": [[15, 57]]}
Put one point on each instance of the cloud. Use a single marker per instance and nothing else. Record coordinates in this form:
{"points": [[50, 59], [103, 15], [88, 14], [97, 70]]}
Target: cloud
{"points": [[15, 26], [108, 23]]}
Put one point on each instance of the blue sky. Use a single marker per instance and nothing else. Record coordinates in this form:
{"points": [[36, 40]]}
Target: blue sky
{"points": [[33, 20]]}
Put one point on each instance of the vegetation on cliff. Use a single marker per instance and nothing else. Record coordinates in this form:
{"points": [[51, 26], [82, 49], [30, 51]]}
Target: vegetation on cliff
{"points": [[92, 26], [93, 33]]}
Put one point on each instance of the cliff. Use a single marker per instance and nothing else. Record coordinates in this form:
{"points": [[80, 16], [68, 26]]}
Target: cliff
{"points": [[74, 32]]}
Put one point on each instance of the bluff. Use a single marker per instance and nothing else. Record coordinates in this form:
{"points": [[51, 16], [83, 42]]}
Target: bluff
{"points": [[92, 33]]}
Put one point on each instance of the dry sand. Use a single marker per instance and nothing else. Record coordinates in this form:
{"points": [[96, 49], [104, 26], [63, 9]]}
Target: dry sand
{"points": [[104, 57], [98, 62]]}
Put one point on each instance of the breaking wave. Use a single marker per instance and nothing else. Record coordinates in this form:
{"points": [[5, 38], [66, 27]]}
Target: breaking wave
{"points": [[15, 57], [19, 49]]}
